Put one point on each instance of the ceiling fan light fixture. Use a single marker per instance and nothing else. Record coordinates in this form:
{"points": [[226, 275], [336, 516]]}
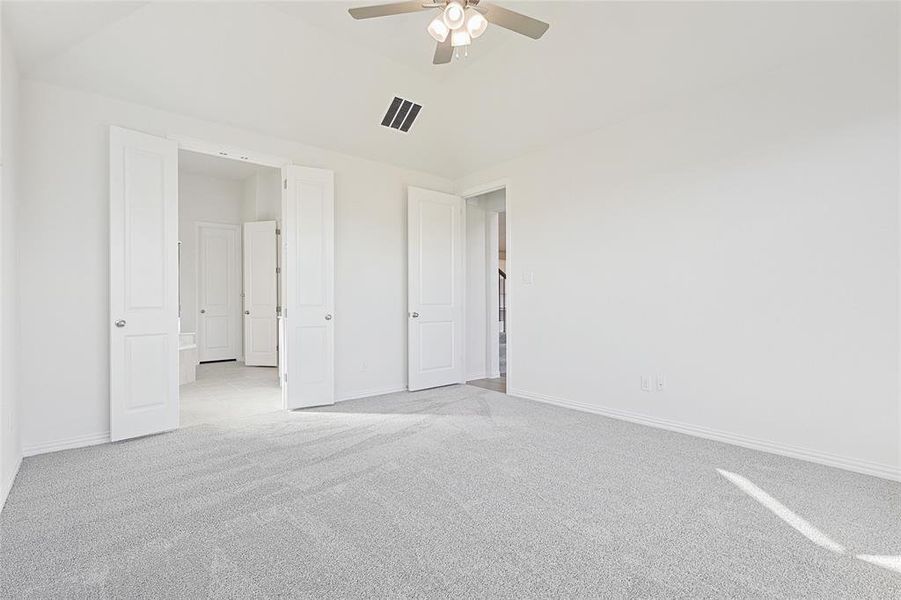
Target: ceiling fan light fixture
{"points": [[438, 29], [476, 23], [460, 37], [454, 15]]}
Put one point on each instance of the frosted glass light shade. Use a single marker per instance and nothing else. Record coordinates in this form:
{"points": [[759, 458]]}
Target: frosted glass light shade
{"points": [[454, 15], [460, 37], [438, 29], [476, 23]]}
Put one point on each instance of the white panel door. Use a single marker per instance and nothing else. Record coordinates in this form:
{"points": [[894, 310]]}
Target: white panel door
{"points": [[260, 294], [218, 292], [435, 241], [143, 284], [308, 231]]}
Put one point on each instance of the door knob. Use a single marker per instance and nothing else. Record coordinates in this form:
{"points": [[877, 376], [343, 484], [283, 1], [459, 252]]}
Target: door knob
{"points": [[415, 315], [246, 312], [328, 317], [120, 323], [202, 310]]}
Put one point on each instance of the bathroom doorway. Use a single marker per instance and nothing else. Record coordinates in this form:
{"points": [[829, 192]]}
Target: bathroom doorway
{"points": [[229, 213], [147, 335]]}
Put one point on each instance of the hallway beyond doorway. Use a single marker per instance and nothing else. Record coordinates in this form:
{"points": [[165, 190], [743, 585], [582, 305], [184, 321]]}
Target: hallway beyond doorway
{"points": [[495, 384]]}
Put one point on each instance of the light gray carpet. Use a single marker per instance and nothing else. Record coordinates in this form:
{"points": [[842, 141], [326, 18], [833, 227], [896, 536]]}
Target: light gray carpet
{"points": [[452, 493]]}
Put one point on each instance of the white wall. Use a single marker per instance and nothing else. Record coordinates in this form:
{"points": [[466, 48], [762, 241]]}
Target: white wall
{"points": [[744, 245], [249, 202], [64, 258], [263, 196], [269, 195], [202, 198], [10, 449]]}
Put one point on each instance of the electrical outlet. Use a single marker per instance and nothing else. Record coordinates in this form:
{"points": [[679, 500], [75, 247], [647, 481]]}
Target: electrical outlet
{"points": [[645, 384], [661, 383]]}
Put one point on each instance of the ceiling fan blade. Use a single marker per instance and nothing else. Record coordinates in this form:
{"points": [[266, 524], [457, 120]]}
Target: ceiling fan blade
{"points": [[387, 10], [444, 52], [512, 20]]}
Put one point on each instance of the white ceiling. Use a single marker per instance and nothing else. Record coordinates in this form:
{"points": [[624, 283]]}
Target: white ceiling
{"points": [[402, 38], [44, 29], [307, 71], [213, 166]]}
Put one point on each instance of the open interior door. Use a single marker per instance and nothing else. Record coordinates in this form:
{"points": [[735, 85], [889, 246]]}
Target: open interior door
{"points": [[308, 231], [435, 241], [143, 284], [260, 294]]}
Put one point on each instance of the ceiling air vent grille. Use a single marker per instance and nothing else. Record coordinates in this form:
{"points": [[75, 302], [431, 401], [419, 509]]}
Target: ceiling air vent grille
{"points": [[401, 114]]}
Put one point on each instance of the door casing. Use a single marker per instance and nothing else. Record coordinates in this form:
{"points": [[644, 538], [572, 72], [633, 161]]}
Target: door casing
{"points": [[511, 263]]}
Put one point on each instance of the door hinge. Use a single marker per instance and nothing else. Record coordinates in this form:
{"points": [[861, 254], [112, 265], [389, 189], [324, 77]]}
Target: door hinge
{"points": [[286, 184], [278, 270], [278, 231], [278, 310]]}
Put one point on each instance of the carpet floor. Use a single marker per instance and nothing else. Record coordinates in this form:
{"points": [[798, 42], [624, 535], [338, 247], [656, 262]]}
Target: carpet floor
{"points": [[458, 492]]}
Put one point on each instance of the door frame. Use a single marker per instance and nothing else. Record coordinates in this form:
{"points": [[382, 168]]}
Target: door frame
{"points": [[236, 273], [253, 157], [510, 289]]}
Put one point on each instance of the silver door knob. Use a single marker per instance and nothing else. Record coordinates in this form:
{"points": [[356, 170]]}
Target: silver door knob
{"points": [[120, 323], [202, 310], [415, 315], [246, 312], [328, 317]]}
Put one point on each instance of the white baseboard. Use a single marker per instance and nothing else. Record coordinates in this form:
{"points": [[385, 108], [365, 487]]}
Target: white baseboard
{"points": [[102, 438], [6, 486], [830, 460], [80, 441], [474, 376], [371, 392]]}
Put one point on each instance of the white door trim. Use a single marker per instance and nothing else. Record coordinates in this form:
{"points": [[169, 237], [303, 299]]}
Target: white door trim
{"points": [[484, 188], [230, 152]]}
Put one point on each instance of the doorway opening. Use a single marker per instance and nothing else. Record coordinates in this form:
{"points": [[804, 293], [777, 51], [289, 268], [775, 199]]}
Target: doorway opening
{"points": [[145, 323], [229, 213], [486, 285]]}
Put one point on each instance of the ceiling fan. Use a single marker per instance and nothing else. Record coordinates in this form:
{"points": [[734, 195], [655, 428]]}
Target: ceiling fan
{"points": [[460, 21]]}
